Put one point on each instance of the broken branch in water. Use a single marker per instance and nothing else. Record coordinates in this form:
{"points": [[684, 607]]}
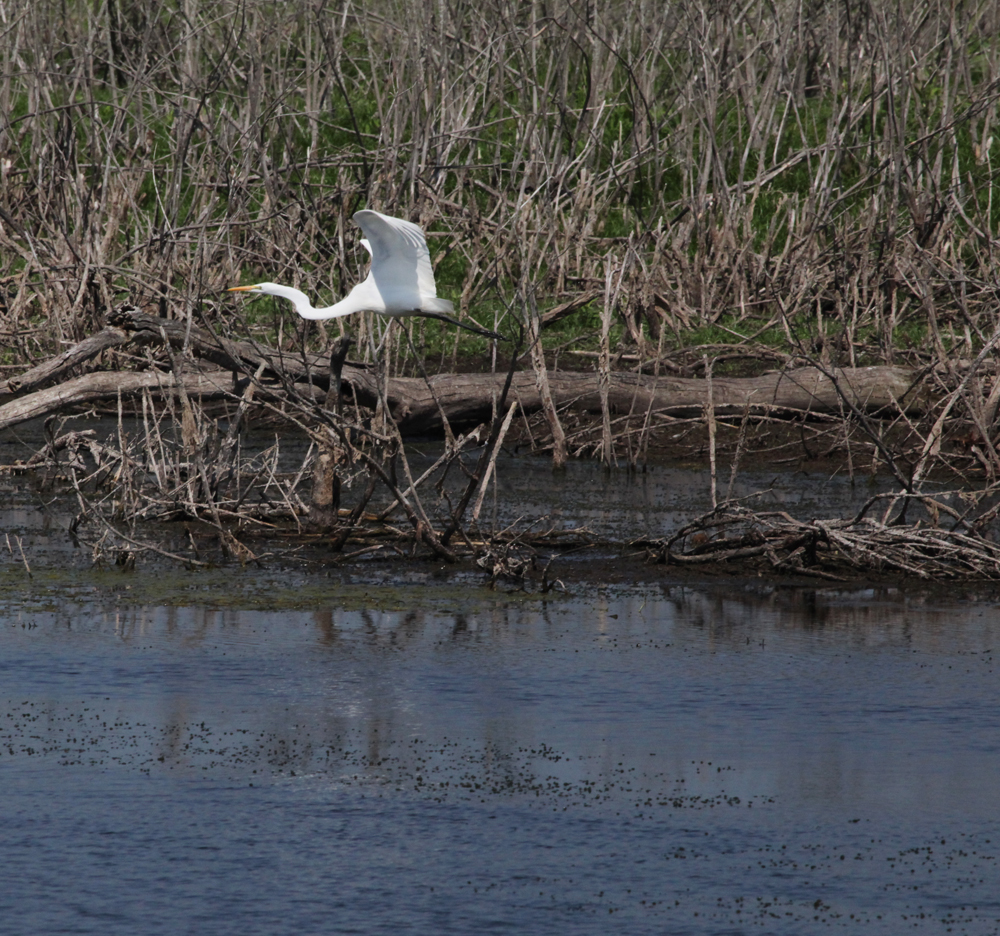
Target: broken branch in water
{"points": [[736, 534]]}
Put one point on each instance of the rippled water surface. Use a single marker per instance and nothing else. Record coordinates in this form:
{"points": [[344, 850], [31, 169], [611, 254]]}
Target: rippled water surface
{"points": [[403, 750]]}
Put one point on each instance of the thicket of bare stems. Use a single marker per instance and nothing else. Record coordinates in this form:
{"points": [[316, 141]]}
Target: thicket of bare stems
{"points": [[787, 182], [825, 167]]}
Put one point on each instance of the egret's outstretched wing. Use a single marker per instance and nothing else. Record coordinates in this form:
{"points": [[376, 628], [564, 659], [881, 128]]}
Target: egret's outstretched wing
{"points": [[399, 283], [401, 262]]}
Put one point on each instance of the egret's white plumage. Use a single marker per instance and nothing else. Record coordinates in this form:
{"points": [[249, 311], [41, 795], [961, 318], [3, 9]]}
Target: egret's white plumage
{"points": [[399, 283]]}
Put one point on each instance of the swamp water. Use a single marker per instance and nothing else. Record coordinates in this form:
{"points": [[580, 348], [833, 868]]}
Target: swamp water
{"points": [[392, 747]]}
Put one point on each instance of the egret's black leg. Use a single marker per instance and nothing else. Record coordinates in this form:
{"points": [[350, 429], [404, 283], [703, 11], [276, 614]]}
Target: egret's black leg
{"points": [[471, 328]]}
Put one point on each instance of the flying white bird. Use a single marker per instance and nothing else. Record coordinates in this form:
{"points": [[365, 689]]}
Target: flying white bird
{"points": [[399, 283]]}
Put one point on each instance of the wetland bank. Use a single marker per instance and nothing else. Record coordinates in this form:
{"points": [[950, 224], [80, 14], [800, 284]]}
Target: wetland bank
{"points": [[298, 641]]}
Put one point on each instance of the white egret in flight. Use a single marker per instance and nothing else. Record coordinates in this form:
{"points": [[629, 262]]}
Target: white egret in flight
{"points": [[400, 282]]}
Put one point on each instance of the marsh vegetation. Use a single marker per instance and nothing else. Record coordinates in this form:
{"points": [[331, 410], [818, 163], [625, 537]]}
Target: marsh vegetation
{"points": [[635, 191]]}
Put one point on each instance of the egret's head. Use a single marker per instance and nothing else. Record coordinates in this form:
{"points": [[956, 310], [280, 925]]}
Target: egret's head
{"points": [[272, 289]]}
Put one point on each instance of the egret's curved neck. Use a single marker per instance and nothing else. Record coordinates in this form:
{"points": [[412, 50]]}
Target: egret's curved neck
{"points": [[298, 299], [305, 309]]}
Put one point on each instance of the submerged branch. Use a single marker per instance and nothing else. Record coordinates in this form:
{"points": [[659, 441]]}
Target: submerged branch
{"points": [[735, 534]]}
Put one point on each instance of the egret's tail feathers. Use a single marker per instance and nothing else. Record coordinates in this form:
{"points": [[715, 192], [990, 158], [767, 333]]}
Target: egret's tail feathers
{"points": [[436, 305]]}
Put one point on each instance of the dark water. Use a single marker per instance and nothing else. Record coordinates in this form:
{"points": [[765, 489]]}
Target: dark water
{"points": [[402, 750], [616, 505]]}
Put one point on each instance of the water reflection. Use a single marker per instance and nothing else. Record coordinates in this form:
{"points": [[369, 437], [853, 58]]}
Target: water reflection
{"points": [[723, 611]]}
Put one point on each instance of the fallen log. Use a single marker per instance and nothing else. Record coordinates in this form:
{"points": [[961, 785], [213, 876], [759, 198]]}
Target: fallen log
{"points": [[466, 398], [419, 407], [53, 369]]}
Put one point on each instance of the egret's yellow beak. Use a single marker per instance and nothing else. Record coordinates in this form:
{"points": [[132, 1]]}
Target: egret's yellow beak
{"points": [[241, 288]]}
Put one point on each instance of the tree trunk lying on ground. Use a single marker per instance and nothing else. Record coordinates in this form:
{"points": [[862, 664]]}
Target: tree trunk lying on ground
{"points": [[417, 405]]}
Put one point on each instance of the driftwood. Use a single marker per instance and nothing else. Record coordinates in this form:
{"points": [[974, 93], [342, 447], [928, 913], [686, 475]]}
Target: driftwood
{"points": [[107, 385], [734, 533], [418, 406], [54, 368]]}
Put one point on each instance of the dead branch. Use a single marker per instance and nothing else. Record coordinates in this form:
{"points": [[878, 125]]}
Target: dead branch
{"points": [[105, 386], [53, 369]]}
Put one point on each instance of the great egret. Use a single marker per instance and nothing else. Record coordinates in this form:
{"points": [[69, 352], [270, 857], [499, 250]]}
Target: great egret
{"points": [[400, 282]]}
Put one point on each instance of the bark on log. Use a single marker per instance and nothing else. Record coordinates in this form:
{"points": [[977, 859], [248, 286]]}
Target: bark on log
{"points": [[467, 398]]}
